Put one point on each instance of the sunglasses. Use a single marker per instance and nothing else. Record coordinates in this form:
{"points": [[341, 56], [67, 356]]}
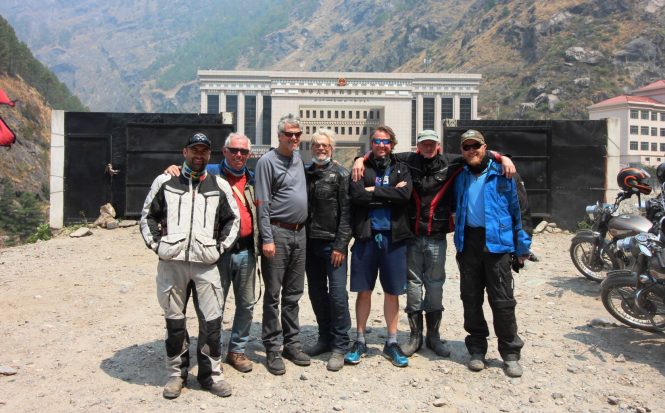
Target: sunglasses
{"points": [[292, 134], [235, 151], [377, 141], [476, 145], [320, 145]]}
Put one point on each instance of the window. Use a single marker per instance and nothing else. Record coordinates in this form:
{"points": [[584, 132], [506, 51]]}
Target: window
{"points": [[654, 115], [343, 114], [357, 130], [662, 131], [662, 147], [321, 114], [645, 114], [465, 108], [301, 114], [447, 108], [633, 145], [357, 114], [336, 130], [654, 131], [364, 130], [644, 130], [250, 117], [329, 116], [267, 116], [371, 114], [634, 114], [662, 116], [307, 130], [364, 114], [413, 122], [336, 115], [634, 130], [644, 146], [213, 104], [314, 114], [232, 103], [307, 114], [428, 113], [350, 114], [654, 147], [343, 130]]}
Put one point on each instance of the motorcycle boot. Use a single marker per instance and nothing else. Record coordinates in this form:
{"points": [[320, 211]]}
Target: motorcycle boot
{"points": [[433, 339], [416, 336]]}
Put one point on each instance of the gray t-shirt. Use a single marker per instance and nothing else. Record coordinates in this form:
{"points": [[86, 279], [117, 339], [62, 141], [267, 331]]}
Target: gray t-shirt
{"points": [[281, 191]]}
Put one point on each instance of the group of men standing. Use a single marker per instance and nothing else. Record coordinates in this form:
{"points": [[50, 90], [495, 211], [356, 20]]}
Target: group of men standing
{"points": [[209, 224]]}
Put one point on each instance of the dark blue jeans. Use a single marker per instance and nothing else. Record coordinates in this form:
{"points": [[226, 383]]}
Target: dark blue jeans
{"points": [[327, 292]]}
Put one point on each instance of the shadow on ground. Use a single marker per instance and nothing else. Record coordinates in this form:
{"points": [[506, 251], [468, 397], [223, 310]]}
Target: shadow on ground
{"points": [[576, 284], [612, 342]]}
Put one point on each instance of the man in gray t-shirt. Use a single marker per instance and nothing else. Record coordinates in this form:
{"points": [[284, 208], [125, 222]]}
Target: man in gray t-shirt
{"points": [[281, 195]]}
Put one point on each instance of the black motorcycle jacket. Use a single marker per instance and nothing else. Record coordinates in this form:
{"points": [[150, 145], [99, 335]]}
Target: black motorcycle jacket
{"points": [[329, 214], [396, 199]]}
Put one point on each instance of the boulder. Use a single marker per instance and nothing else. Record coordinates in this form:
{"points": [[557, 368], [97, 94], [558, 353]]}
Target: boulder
{"points": [[540, 227], [582, 55], [106, 216], [81, 232], [582, 81], [640, 49]]}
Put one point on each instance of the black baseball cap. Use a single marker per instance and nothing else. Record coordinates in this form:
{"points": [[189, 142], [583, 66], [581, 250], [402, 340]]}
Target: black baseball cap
{"points": [[198, 139]]}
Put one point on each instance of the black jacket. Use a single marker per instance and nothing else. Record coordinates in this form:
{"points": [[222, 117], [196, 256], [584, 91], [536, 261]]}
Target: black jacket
{"points": [[431, 200], [329, 210], [396, 199]]}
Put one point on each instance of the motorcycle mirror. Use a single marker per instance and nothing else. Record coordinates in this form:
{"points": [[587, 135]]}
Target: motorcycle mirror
{"points": [[645, 251]]}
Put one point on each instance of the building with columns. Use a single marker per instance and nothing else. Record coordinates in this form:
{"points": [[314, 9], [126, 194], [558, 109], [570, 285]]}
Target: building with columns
{"points": [[350, 103]]}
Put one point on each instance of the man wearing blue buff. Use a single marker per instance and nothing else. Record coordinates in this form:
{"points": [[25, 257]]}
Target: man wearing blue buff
{"points": [[491, 225], [380, 226]]}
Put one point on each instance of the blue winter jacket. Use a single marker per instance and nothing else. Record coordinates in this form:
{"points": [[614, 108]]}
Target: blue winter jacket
{"points": [[503, 223]]}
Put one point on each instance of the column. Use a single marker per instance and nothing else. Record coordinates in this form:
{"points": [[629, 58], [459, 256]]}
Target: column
{"points": [[204, 102], [258, 140], [419, 112], [474, 107], [456, 106], [437, 114], [240, 121], [222, 102]]}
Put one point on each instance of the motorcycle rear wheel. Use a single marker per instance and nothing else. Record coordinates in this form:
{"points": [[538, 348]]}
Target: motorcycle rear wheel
{"points": [[580, 254], [618, 296]]}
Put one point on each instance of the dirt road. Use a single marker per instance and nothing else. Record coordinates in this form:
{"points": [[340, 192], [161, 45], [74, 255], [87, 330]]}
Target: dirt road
{"points": [[82, 329]]}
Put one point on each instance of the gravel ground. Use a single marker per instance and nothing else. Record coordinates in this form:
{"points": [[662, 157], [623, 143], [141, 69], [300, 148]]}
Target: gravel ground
{"points": [[82, 331]]}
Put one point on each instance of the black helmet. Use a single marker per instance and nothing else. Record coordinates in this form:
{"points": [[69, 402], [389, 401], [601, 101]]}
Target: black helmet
{"points": [[634, 180], [660, 173]]}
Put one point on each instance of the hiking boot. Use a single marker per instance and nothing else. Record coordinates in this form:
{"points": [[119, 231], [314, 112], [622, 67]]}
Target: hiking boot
{"points": [[433, 339], [173, 387], [477, 362], [220, 388], [335, 362], [297, 356], [395, 354], [275, 363], [317, 349], [416, 336], [513, 368], [358, 351], [239, 362]]}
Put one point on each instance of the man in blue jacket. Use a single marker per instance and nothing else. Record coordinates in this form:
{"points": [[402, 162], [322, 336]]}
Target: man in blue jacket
{"points": [[489, 231]]}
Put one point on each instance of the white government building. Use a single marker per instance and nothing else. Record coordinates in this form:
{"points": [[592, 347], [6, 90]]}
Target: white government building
{"points": [[352, 104]]}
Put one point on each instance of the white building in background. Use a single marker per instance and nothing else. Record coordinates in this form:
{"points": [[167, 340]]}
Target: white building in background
{"points": [[351, 104], [641, 118]]}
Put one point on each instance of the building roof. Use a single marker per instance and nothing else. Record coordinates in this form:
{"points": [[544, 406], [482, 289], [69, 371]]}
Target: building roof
{"points": [[658, 84], [624, 99]]}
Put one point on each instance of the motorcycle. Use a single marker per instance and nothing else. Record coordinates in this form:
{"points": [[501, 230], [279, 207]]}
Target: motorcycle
{"points": [[637, 297], [592, 253]]}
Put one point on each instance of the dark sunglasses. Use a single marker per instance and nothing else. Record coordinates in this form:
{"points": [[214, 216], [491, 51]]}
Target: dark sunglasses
{"points": [[292, 134], [236, 150], [476, 145], [377, 141]]}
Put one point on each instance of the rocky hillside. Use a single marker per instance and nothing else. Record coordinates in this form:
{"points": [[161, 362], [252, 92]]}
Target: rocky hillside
{"points": [[538, 59]]}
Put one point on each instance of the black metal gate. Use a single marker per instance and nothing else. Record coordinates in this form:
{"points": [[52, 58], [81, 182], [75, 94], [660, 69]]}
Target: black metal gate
{"points": [[114, 157], [563, 163]]}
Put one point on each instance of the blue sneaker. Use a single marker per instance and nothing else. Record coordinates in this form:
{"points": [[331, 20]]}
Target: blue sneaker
{"points": [[393, 353], [357, 352]]}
